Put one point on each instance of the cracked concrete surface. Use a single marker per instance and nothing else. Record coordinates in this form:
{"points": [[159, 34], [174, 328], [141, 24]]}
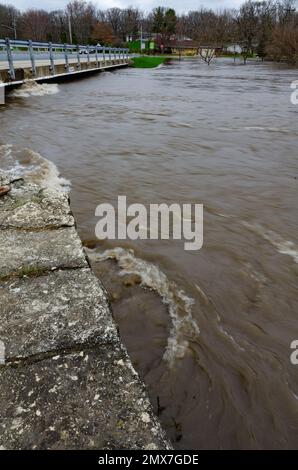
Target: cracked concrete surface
{"points": [[43, 250], [67, 382]]}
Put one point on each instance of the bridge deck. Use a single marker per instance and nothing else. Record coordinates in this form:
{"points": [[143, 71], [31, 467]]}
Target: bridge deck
{"points": [[26, 64], [21, 61]]}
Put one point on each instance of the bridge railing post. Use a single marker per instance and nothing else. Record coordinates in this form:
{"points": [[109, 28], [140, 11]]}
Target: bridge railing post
{"points": [[104, 55], [66, 58], [88, 55], [52, 61], [78, 58], [96, 56], [115, 53], [32, 58], [12, 74], [110, 54]]}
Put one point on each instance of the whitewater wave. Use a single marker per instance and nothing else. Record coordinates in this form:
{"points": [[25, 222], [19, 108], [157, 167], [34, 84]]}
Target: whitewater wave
{"points": [[179, 305], [31, 165], [35, 89], [285, 247]]}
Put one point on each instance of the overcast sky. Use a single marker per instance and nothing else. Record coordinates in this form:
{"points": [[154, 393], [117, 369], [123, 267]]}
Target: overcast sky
{"points": [[179, 5]]}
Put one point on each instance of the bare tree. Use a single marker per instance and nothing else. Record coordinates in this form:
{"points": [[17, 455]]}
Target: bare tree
{"points": [[83, 17], [131, 23], [207, 53], [247, 22], [9, 21], [58, 26], [114, 18], [36, 24], [284, 42]]}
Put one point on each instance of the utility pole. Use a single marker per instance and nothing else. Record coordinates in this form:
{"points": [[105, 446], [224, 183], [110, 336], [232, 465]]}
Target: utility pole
{"points": [[69, 28], [14, 22]]}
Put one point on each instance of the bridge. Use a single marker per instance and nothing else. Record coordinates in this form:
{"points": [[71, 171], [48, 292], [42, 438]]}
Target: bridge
{"points": [[21, 61]]}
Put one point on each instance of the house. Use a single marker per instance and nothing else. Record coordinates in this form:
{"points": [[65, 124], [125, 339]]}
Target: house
{"points": [[233, 48], [181, 46]]}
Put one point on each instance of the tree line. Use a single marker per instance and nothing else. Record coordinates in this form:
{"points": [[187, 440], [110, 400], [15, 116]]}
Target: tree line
{"points": [[269, 28]]}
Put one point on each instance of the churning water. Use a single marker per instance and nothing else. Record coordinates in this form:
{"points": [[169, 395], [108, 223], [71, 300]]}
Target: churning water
{"points": [[209, 331]]}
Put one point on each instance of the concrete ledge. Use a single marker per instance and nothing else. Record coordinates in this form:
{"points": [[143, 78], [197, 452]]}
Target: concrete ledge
{"points": [[44, 74], [90, 399], [54, 311], [23, 252], [67, 381]]}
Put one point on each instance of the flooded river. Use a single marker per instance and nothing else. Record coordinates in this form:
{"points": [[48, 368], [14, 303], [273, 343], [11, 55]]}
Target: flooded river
{"points": [[209, 331]]}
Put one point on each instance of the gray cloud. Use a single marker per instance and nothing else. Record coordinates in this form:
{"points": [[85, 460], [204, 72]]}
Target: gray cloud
{"points": [[147, 5]]}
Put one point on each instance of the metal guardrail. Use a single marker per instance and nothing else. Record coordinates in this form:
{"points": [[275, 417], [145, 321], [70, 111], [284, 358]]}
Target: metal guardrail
{"points": [[14, 48]]}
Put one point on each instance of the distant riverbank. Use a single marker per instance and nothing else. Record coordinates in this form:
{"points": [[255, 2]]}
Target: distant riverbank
{"points": [[148, 62]]}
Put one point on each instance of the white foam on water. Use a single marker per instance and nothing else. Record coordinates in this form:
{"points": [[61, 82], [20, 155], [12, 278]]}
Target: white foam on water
{"points": [[179, 305], [31, 165], [230, 337], [35, 89], [285, 247], [46, 173], [5, 151], [202, 294], [256, 129]]}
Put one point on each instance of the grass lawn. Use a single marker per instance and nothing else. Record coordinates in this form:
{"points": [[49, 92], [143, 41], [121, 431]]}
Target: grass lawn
{"points": [[148, 62]]}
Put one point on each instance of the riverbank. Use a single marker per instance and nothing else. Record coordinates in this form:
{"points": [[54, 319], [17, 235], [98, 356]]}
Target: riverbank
{"points": [[148, 62], [66, 379]]}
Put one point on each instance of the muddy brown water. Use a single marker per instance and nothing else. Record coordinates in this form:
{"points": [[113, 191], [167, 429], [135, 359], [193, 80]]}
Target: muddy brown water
{"points": [[209, 331]]}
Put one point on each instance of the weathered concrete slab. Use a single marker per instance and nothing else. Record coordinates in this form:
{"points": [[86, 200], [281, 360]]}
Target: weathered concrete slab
{"points": [[90, 399], [23, 252], [28, 206], [67, 381], [54, 311]]}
